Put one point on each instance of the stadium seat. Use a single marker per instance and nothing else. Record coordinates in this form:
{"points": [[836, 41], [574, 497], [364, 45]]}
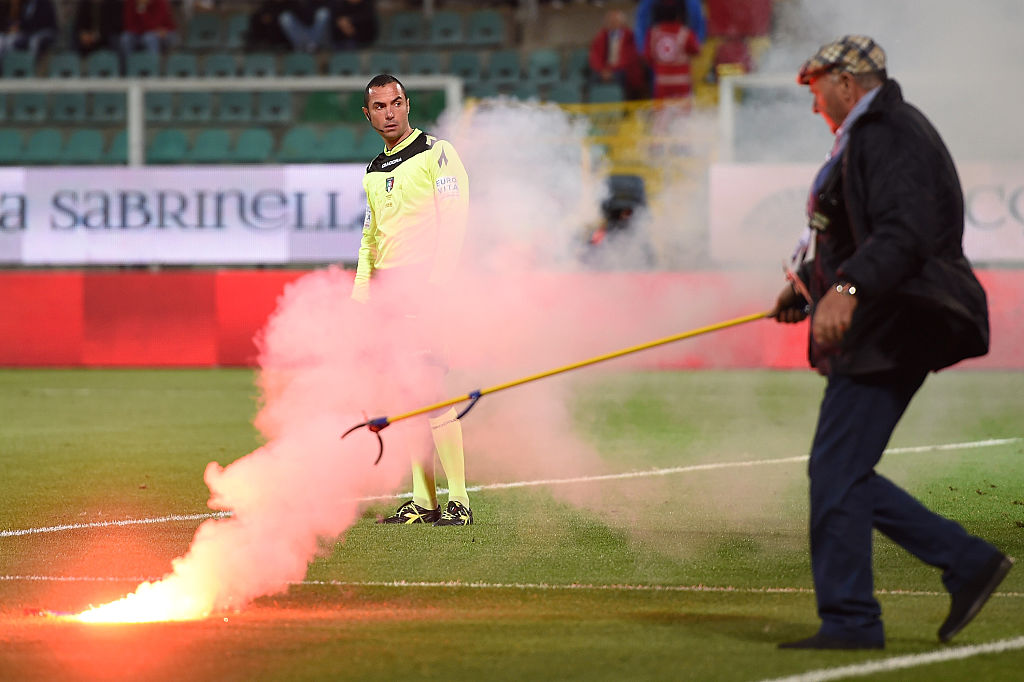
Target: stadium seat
{"points": [[159, 107], [84, 146], [212, 145], [220, 65], [423, 64], [338, 145], [527, 90], [481, 90], [368, 146], [12, 146], [68, 107], [195, 107], [577, 64], [299, 64], [254, 145], [169, 145], [403, 31], [203, 31], [544, 67], [300, 144], [274, 106], [3, 106], [65, 65], [566, 92], [384, 62], [446, 30], [44, 147], [107, 107], [117, 153], [345, 64], [427, 105], [181, 65], [259, 64], [504, 68], [142, 65], [102, 64], [485, 28], [236, 30], [29, 107], [235, 106], [19, 64], [323, 107], [466, 65], [601, 93]]}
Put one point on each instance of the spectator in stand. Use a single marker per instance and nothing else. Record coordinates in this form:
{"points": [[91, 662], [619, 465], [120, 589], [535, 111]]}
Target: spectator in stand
{"points": [[97, 25], [307, 24], [613, 56], [33, 26], [691, 13], [265, 29], [355, 23], [149, 25], [670, 45]]}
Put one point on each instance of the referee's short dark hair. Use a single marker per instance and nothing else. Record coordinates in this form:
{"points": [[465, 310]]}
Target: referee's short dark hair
{"points": [[378, 81]]}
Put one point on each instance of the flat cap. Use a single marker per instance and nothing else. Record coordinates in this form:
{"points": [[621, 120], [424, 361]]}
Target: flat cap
{"points": [[852, 54]]}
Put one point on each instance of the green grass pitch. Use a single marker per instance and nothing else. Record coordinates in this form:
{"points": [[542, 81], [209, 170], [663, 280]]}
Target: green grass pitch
{"points": [[540, 588]]}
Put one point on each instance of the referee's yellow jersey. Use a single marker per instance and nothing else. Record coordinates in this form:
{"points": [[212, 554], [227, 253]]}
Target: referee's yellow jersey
{"points": [[417, 204]]}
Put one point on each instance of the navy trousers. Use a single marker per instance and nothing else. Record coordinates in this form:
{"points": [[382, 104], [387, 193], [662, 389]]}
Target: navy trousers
{"points": [[848, 499]]}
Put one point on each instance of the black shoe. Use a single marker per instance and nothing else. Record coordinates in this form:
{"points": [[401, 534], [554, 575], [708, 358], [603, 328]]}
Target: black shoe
{"points": [[456, 514], [410, 512], [968, 602], [820, 641]]}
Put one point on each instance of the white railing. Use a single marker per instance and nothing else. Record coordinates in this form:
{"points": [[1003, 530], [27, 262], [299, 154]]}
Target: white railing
{"points": [[136, 88]]}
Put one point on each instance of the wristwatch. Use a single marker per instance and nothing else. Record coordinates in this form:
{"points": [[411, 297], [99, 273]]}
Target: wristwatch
{"points": [[846, 289]]}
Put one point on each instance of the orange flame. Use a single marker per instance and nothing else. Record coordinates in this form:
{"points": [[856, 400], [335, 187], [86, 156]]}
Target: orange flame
{"points": [[165, 600]]}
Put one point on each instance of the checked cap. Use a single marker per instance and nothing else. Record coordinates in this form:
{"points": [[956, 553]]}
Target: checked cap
{"points": [[853, 54]]}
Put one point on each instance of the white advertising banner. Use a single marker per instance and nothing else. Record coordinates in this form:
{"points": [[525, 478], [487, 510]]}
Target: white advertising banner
{"points": [[181, 215], [758, 211]]}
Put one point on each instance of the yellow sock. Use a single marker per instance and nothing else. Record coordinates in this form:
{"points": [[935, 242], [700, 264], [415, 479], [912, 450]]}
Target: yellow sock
{"points": [[447, 434], [423, 492]]}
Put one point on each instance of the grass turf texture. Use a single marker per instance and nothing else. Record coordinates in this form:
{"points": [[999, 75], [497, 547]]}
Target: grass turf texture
{"points": [[86, 446]]}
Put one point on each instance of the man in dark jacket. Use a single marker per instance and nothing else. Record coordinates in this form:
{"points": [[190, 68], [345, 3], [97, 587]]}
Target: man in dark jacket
{"points": [[97, 25], [892, 297], [355, 24], [33, 27]]}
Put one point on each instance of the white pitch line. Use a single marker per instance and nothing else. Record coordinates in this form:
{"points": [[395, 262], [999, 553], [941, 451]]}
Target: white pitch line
{"points": [[903, 662], [525, 484]]}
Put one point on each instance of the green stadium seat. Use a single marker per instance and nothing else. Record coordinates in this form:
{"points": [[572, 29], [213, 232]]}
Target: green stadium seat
{"points": [[481, 90], [19, 64], [465, 64], [300, 144], [203, 31], [504, 68], [384, 62], [159, 107], [3, 106], [600, 93], [220, 65], [485, 28], [527, 90], [254, 145], [102, 64], [577, 64], [44, 147], [236, 29], [84, 146], [368, 146], [423, 64], [29, 107], [544, 66], [117, 153], [195, 107], [427, 106], [212, 145], [299, 64], [274, 106], [68, 107], [324, 107], [403, 31], [65, 65], [12, 146], [345, 64], [181, 65], [142, 65], [236, 106], [108, 107], [566, 92], [446, 30], [168, 146], [338, 145], [259, 64]]}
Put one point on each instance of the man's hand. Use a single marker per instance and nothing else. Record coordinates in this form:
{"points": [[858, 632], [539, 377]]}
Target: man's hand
{"points": [[790, 307], [832, 317]]}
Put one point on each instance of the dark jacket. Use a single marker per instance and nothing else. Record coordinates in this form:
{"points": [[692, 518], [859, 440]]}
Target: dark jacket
{"points": [[100, 16], [363, 16], [893, 225], [35, 16]]}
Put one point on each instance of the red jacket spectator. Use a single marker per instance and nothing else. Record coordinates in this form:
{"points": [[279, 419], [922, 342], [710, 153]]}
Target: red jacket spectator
{"points": [[613, 55], [670, 45], [144, 16]]}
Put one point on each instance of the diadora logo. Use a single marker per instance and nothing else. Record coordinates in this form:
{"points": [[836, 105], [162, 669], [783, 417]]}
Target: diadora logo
{"points": [[389, 184], [392, 162]]}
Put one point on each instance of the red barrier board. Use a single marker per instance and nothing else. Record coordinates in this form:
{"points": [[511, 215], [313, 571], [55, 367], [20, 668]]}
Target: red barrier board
{"points": [[41, 318]]}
